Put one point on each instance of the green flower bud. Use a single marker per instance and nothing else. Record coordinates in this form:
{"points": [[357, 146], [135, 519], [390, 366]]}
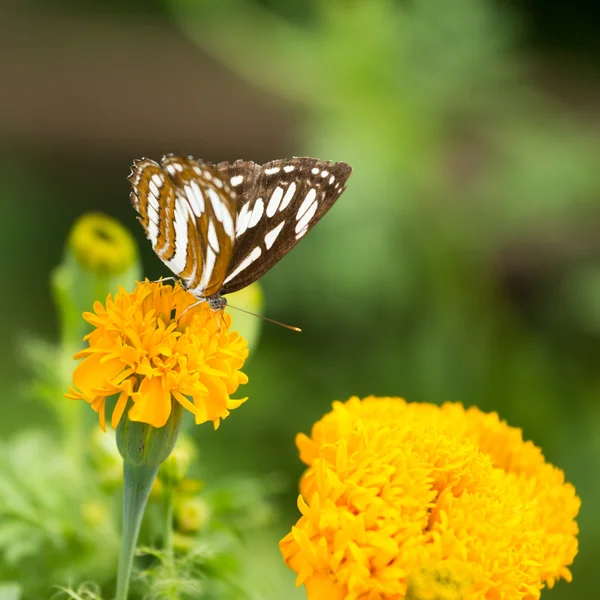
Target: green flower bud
{"points": [[94, 513], [145, 445], [182, 542], [191, 515], [100, 255], [102, 245]]}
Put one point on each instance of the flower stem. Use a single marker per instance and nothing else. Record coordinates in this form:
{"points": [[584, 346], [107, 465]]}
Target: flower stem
{"points": [[169, 498], [137, 483]]}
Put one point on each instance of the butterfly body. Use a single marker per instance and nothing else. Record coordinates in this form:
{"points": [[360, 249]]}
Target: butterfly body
{"points": [[220, 227]]}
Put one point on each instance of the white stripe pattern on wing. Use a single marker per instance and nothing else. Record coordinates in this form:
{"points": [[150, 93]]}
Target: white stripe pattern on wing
{"points": [[177, 263], [272, 235], [245, 263], [274, 201]]}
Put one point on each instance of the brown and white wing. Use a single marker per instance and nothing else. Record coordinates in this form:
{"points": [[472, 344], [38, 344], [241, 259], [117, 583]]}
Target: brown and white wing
{"points": [[278, 203], [187, 210]]}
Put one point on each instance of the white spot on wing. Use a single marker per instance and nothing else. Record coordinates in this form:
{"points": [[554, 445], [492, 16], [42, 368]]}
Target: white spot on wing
{"points": [[209, 265], [245, 263], [177, 263], [301, 233], [237, 180], [196, 198], [193, 274], [243, 220], [152, 209], [228, 224], [217, 203], [154, 188], [157, 179], [324, 174], [213, 240], [272, 171], [308, 215], [289, 194], [314, 171], [331, 179], [274, 201], [272, 235], [152, 220], [289, 168], [257, 212], [310, 196]]}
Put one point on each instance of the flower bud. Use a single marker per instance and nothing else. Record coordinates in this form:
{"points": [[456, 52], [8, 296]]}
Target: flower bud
{"points": [[190, 515], [99, 256], [145, 445]]}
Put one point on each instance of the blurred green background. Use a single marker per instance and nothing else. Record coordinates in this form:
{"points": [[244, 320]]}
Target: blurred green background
{"points": [[462, 263]]}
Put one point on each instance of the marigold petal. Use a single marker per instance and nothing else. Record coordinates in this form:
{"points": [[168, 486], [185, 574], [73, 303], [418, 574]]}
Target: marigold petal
{"points": [[231, 403], [119, 409], [92, 374], [99, 404], [184, 402], [73, 394], [154, 403]]}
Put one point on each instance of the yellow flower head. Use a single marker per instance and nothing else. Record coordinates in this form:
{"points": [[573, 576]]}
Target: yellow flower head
{"points": [[147, 347], [102, 244], [424, 502]]}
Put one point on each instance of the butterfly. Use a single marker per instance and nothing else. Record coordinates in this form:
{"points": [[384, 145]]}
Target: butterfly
{"points": [[221, 227]]}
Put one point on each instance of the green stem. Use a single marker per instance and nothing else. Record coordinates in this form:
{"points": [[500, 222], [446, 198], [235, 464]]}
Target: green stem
{"points": [[169, 498], [137, 483], [169, 501]]}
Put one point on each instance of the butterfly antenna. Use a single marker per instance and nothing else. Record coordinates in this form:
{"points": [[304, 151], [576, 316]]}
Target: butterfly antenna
{"points": [[290, 327]]}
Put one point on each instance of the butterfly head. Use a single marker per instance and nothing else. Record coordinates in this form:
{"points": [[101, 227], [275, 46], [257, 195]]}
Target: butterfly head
{"points": [[217, 302]]}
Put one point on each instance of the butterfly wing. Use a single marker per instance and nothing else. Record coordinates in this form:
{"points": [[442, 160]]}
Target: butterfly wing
{"points": [[187, 210], [278, 203]]}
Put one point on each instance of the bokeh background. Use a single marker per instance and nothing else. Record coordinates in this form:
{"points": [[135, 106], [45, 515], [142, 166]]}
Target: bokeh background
{"points": [[462, 263]]}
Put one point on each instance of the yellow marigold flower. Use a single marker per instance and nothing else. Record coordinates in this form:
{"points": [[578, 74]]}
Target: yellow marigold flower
{"points": [[146, 347], [425, 502]]}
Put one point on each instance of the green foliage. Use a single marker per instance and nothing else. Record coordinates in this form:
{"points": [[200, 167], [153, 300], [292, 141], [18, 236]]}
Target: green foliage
{"points": [[51, 517]]}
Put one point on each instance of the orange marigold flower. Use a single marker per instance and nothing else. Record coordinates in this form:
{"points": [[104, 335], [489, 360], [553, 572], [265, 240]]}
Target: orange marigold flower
{"points": [[419, 501], [147, 347]]}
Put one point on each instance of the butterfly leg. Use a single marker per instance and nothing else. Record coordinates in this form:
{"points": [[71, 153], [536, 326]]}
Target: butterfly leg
{"points": [[222, 319], [191, 306]]}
